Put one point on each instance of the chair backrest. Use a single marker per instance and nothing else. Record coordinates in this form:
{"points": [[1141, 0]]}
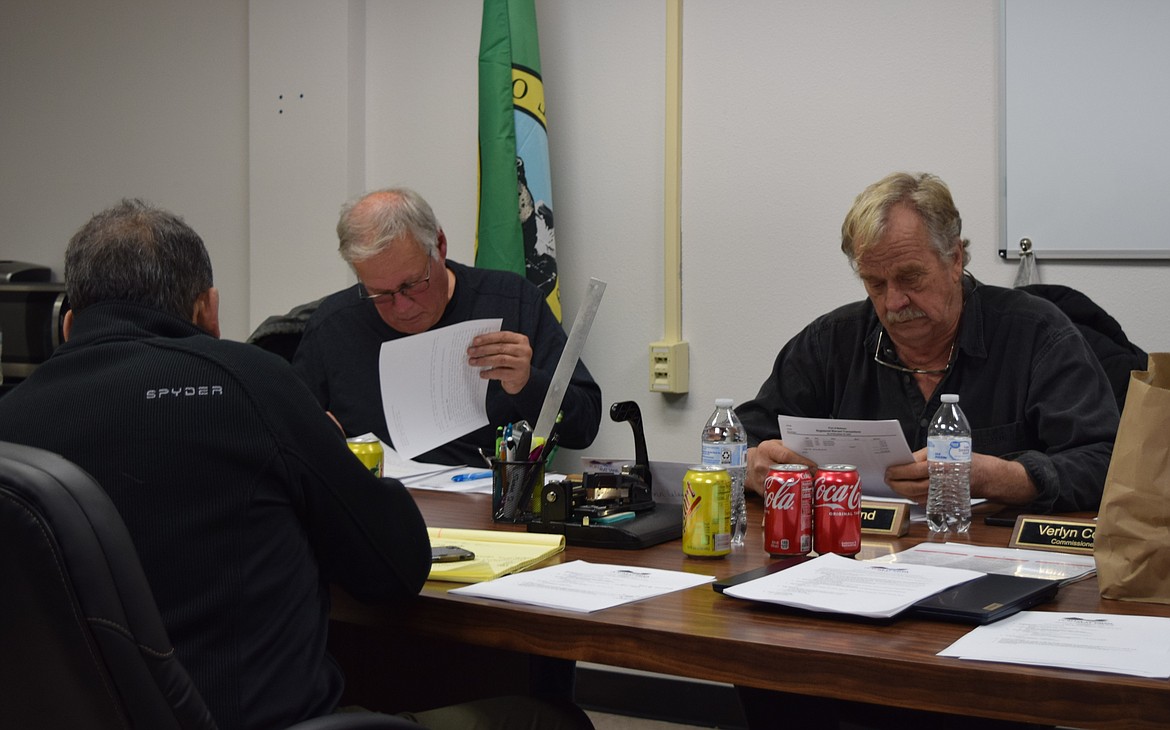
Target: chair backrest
{"points": [[82, 643], [281, 333]]}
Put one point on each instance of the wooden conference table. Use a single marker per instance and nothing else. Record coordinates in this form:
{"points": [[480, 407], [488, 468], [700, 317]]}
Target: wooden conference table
{"points": [[701, 634]]}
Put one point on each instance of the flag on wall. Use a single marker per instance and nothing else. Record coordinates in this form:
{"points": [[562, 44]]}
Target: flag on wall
{"points": [[514, 230]]}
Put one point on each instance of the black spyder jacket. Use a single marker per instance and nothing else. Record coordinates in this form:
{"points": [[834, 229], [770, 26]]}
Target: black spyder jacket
{"points": [[239, 493]]}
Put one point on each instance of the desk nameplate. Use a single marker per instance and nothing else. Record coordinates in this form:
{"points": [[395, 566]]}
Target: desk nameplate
{"points": [[885, 518], [1057, 534]]}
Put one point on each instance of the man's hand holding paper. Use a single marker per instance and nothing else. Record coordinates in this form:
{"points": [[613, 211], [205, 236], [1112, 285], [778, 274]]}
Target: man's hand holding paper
{"points": [[876, 448], [503, 356]]}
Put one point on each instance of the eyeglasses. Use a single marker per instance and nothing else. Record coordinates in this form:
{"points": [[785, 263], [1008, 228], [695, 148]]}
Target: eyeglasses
{"points": [[914, 371], [410, 289]]}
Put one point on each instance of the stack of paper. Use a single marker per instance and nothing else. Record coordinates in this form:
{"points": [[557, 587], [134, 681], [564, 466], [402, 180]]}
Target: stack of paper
{"points": [[834, 584], [585, 587], [1101, 642], [496, 552], [1003, 561], [405, 470]]}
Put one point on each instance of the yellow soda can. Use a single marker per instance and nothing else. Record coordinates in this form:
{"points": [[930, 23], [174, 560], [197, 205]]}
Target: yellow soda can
{"points": [[368, 450], [707, 511]]}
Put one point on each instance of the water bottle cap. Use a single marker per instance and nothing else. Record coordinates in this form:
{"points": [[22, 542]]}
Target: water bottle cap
{"points": [[950, 398], [724, 402]]}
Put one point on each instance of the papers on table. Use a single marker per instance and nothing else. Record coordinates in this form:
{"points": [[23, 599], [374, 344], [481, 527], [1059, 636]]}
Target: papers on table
{"points": [[835, 584], [1134, 645], [584, 587], [430, 394], [462, 479], [1004, 561], [871, 446], [421, 475]]}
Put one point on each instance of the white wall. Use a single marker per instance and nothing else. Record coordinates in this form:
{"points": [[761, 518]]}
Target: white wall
{"points": [[789, 110], [126, 98]]}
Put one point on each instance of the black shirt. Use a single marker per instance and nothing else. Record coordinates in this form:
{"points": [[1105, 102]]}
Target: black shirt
{"points": [[1029, 385], [338, 359], [239, 493]]}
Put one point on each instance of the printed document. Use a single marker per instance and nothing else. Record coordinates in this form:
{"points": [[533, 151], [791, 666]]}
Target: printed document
{"points": [[1004, 561], [835, 584], [430, 394], [1099, 642], [584, 587], [871, 446], [393, 465]]}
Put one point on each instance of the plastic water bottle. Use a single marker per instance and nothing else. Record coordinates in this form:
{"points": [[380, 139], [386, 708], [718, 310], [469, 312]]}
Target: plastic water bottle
{"points": [[725, 445], [948, 453]]}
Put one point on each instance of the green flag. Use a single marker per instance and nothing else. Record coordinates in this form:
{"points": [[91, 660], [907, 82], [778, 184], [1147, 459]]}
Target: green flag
{"points": [[514, 230]]}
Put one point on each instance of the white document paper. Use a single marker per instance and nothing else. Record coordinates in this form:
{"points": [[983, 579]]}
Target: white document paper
{"points": [[1101, 642], [429, 393], [871, 446], [461, 479], [836, 584], [1004, 561], [394, 465], [584, 587]]}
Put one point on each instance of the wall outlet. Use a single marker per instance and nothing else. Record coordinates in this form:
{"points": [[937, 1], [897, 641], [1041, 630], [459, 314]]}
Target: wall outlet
{"points": [[669, 367]]}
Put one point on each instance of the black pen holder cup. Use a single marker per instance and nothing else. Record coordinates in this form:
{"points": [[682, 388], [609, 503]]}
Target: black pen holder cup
{"points": [[516, 488]]}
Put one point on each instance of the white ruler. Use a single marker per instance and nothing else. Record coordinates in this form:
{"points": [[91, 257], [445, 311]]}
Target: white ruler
{"points": [[568, 362]]}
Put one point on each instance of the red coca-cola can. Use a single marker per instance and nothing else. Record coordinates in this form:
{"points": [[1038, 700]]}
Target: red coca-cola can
{"points": [[788, 496], [837, 510]]}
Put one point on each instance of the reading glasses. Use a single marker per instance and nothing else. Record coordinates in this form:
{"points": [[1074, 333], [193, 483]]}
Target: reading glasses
{"points": [[410, 289], [902, 368]]}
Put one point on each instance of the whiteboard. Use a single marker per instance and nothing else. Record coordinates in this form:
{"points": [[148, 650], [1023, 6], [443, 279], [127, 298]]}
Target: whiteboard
{"points": [[1086, 128]]}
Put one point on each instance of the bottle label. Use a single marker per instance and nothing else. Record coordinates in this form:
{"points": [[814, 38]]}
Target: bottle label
{"points": [[725, 454], [948, 448]]}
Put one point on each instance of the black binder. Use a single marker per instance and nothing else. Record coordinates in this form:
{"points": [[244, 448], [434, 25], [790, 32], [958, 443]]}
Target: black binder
{"points": [[986, 599]]}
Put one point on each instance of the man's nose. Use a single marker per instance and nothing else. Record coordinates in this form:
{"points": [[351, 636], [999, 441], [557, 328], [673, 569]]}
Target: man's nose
{"points": [[896, 299]]}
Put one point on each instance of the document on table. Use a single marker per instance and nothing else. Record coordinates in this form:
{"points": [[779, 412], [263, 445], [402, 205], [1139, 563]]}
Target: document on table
{"points": [[462, 479], [835, 584], [405, 470], [871, 446], [429, 393], [1100, 642], [1004, 561], [584, 587]]}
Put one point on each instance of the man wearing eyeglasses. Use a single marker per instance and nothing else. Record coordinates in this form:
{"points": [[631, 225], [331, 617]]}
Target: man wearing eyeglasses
{"points": [[406, 285], [1042, 413]]}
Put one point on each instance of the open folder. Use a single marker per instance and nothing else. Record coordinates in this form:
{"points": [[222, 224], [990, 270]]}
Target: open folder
{"points": [[874, 590]]}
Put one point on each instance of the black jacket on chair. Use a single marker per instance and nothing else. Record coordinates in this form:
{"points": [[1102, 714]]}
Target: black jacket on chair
{"points": [[1104, 334]]}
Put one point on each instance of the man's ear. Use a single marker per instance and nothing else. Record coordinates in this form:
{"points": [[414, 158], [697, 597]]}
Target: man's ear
{"points": [[206, 311], [66, 325]]}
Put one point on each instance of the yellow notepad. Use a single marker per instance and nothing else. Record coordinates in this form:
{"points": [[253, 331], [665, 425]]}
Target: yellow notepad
{"points": [[496, 552]]}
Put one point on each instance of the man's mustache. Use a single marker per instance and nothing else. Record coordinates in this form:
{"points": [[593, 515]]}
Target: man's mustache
{"points": [[904, 315]]}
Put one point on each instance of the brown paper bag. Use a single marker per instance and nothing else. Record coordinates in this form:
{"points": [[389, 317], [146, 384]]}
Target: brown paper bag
{"points": [[1132, 544]]}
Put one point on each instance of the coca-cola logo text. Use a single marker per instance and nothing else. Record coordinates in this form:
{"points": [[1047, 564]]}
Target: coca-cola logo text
{"points": [[836, 496], [780, 493]]}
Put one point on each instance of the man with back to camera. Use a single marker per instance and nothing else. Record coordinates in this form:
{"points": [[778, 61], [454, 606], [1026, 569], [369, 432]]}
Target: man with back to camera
{"points": [[406, 285], [240, 494], [1042, 414]]}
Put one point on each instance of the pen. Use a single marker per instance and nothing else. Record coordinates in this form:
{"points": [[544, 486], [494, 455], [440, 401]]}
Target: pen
{"points": [[472, 475]]}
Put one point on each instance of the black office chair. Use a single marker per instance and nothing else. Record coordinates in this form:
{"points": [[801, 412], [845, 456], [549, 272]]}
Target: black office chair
{"points": [[82, 644], [281, 333]]}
